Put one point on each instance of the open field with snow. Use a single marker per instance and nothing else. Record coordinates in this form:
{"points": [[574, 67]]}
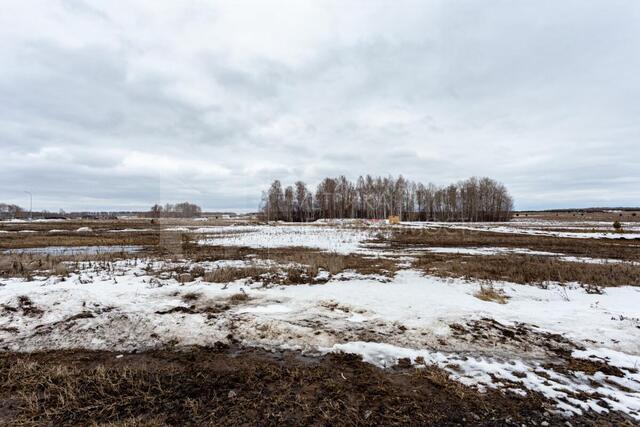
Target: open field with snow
{"points": [[535, 321]]}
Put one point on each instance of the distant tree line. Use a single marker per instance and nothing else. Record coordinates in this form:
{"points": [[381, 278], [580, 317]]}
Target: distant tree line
{"points": [[180, 210], [475, 199]]}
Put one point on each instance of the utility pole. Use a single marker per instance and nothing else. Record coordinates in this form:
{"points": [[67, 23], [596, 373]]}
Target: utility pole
{"points": [[30, 204]]}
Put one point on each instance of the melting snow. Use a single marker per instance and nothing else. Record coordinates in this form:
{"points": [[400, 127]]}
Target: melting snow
{"points": [[340, 240]]}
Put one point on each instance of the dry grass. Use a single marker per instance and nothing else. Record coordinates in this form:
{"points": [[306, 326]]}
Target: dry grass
{"points": [[625, 249], [527, 269], [191, 297], [231, 274], [29, 265], [407, 239], [234, 386], [489, 293], [23, 304], [334, 263], [267, 275], [95, 238], [308, 263], [627, 216], [239, 297], [302, 265]]}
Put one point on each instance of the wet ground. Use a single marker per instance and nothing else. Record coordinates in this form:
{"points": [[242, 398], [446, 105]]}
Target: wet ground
{"points": [[230, 385]]}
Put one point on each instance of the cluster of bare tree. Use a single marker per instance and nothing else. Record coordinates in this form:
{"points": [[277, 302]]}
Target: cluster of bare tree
{"points": [[10, 211], [180, 210], [475, 199]]}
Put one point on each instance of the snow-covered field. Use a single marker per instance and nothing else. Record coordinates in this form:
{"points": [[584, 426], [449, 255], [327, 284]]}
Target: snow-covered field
{"points": [[134, 304], [341, 240]]}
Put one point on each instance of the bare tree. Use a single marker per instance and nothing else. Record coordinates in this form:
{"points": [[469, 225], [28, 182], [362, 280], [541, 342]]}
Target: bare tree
{"points": [[470, 200], [304, 202], [180, 210], [274, 206], [156, 211], [288, 203]]}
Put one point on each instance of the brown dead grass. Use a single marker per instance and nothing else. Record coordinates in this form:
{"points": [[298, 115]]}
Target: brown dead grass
{"points": [[94, 238], [239, 297], [332, 262], [527, 269], [191, 296], [627, 216], [276, 275], [231, 274], [489, 293], [309, 262], [407, 239], [224, 386], [29, 265]]}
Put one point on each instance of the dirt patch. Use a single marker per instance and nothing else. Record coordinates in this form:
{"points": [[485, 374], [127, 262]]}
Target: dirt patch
{"points": [[179, 309], [588, 366], [491, 333], [231, 386], [27, 306], [191, 297], [208, 308]]}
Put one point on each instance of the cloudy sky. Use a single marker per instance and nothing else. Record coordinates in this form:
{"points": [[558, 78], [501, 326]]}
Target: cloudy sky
{"points": [[119, 104]]}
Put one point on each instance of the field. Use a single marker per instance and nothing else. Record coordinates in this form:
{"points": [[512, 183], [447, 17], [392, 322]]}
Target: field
{"points": [[194, 322]]}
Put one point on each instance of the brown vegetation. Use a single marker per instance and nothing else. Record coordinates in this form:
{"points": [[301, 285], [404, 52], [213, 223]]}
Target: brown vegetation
{"points": [[527, 269], [407, 239], [308, 262], [72, 238], [30, 265], [582, 215], [223, 386], [489, 293]]}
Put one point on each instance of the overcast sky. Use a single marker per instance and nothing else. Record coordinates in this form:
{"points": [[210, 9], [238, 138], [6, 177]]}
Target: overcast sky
{"points": [[119, 104]]}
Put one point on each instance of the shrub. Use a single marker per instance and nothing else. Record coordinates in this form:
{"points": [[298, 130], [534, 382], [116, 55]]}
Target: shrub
{"points": [[239, 297], [617, 226]]}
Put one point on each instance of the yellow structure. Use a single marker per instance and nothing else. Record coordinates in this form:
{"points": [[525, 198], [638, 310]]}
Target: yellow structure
{"points": [[394, 219]]}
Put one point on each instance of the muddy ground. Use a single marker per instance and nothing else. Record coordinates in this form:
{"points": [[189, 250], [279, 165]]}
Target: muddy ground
{"points": [[241, 386]]}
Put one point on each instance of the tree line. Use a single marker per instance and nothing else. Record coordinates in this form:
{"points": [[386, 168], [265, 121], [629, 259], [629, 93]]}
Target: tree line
{"points": [[474, 199], [179, 210]]}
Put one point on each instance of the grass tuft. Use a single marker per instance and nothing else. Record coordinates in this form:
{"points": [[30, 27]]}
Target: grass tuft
{"points": [[489, 293]]}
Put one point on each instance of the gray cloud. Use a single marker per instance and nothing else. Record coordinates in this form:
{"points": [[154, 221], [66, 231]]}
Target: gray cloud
{"points": [[112, 107]]}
